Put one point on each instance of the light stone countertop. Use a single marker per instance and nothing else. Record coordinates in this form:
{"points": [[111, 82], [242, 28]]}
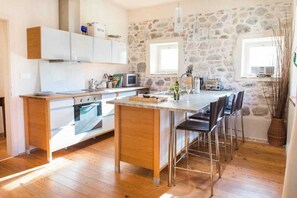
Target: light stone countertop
{"points": [[188, 103]]}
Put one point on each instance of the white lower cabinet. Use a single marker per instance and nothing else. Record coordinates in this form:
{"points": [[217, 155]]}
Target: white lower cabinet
{"points": [[62, 123]]}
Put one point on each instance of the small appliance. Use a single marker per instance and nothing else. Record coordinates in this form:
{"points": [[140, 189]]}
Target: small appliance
{"points": [[130, 80], [213, 84]]}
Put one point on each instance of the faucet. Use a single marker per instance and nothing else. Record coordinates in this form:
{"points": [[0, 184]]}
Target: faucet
{"points": [[188, 73]]}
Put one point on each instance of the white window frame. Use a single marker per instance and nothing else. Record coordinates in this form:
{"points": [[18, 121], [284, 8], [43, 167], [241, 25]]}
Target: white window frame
{"points": [[158, 73], [238, 53]]}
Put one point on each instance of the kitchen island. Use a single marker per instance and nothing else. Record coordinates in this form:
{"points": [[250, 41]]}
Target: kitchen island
{"points": [[144, 131]]}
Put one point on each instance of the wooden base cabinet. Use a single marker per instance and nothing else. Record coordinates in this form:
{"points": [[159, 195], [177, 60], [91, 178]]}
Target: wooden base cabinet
{"points": [[49, 125], [142, 138]]}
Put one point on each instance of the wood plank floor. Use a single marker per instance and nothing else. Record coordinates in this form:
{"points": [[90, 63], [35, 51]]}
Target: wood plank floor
{"points": [[3, 150], [87, 170]]}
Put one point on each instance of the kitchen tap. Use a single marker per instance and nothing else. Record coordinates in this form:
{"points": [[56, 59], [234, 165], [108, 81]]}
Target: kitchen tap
{"points": [[189, 73]]}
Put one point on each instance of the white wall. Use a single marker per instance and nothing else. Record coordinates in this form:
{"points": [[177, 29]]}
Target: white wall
{"points": [[22, 14], [106, 13], [3, 63], [189, 7], [289, 189]]}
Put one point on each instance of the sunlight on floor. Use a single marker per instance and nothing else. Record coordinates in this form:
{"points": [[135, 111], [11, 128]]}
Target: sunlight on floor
{"points": [[34, 173], [166, 195]]}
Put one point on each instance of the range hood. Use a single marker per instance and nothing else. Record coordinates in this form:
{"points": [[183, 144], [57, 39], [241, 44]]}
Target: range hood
{"points": [[69, 15]]}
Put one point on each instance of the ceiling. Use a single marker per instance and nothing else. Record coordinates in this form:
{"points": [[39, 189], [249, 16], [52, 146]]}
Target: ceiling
{"points": [[134, 4]]}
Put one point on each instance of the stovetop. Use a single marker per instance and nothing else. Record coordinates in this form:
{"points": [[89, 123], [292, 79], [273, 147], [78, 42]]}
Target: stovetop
{"points": [[72, 92]]}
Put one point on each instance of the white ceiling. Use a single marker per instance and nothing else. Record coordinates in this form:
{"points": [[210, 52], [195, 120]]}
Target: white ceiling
{"points": [[134, 4]]}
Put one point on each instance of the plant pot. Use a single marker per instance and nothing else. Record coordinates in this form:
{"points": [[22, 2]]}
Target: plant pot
{"points": [[277, 134]]}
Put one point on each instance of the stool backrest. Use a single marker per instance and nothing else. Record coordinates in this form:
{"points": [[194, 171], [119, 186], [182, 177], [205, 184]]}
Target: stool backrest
{"points": [[233, 103], [221, 106], [213, 115], [239, 100]]}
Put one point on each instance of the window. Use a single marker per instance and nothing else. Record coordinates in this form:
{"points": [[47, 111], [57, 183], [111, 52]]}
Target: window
{"points": [[259, 57], [163, 56]]}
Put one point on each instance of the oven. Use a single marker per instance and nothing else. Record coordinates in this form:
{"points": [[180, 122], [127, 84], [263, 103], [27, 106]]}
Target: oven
{"points": [[87, 113]]}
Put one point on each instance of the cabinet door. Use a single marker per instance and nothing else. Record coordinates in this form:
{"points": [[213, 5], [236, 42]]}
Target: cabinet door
{"points": [[102, 50], [55, 44], [81, 47], [61, 113], [108, 109], [119, 52]]}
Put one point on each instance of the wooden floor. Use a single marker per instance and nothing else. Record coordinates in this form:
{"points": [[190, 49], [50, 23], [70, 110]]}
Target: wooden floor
{"points": [[3, 150], [87, 170]]}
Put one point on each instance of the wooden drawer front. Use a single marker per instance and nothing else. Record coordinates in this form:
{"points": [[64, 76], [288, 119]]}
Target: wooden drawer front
{"points": [[137, 140]]}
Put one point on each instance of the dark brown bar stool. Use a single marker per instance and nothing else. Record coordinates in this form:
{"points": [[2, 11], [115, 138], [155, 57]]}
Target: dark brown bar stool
{"points": [[206, 128], [229, 113], [2, 104], [205, 116], [239, 102]]}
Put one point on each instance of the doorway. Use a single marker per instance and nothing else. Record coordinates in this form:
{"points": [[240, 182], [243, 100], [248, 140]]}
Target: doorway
{"points": [[4, 87]]}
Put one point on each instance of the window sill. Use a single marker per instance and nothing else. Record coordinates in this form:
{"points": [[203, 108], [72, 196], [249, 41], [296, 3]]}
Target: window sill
{"points": [[162, 75], [248, 79]]}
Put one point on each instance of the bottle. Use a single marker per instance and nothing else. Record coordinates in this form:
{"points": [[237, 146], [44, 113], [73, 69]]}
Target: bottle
{"points": [[197, 84], [176, 91]]}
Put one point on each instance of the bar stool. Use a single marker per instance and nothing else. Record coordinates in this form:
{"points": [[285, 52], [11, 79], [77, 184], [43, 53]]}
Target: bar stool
{"points": [[229, 113], [205, 116], [201, 127], [239, 102]]}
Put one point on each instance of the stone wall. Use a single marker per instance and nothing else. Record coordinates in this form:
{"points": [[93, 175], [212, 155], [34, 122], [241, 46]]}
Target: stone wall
{"points": [[212, 53]]}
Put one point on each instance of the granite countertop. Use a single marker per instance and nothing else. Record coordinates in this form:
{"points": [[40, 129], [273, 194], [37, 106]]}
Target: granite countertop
{"points": [[190, 103], [104, 91]]}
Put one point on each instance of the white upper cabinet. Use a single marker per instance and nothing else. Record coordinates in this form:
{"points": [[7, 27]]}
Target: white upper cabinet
{"points": [[102, 50], [81, 47], [47, 43], [119, 52]]}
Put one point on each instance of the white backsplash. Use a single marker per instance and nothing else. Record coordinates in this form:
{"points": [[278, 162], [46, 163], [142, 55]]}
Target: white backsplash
{"points": [[65, 76], [62, 76]]}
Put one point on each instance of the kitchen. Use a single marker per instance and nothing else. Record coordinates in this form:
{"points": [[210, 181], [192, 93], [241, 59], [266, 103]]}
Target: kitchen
{"points": [[211, 57]]}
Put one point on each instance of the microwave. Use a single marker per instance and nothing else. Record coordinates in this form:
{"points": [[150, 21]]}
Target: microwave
{"points": [[130, 80]]}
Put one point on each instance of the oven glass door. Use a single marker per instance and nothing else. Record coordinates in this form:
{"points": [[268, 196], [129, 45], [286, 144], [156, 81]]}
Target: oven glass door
{"points": [[87, 117]]}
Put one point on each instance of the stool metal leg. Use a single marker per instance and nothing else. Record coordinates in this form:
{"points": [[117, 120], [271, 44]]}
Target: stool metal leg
{"points": [[187, 147], [211, 167], [217, 152], [225, 138], [242, 128], [174, 157], [231, 136], [235, 130]]}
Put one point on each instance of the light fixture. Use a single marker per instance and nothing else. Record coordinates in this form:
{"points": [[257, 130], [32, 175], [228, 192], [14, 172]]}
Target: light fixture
{"points": [[178, 20], [196, 28]]}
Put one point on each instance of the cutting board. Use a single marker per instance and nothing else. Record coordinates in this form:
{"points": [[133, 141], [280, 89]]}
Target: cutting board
{"points": [[150, 100]]}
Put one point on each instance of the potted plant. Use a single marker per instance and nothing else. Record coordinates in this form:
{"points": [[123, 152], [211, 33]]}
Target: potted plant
{"points": [[276, 90]]}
